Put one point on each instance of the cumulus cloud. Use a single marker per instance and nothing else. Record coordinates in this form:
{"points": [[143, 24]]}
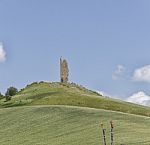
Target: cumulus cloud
{"points": [[2, 53], [104, 94], [119, 72], [139, 98], [142, 74]]}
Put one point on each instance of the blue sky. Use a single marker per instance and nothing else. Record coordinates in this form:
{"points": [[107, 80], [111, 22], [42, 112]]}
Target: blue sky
{"points": [[107, 43]]}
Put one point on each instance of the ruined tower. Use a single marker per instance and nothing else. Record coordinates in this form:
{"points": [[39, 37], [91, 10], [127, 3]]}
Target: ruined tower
{"points": [[64, 71]]}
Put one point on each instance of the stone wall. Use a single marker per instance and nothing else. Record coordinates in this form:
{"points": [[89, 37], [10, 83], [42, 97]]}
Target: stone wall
{"points": [[64, 70]]}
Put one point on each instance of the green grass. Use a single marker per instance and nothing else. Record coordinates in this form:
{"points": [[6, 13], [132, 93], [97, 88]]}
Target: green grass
{"points": [[70, 94], [60, 125], [68, 114]]}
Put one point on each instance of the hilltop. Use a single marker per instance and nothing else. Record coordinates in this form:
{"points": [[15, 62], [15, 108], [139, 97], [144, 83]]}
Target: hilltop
{"points": [[68, 114], [46, 93]]}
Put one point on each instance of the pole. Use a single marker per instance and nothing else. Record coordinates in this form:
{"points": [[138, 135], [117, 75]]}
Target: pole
{"points": [[104, 134], [111, 133]]}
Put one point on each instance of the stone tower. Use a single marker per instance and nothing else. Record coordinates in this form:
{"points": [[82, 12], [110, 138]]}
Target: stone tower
{"points": [[64, 71]]}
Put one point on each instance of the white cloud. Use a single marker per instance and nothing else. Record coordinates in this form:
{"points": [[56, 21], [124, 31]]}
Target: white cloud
{"points": [[139, 98], [119, 72], [2, 53], [104, 94], [142, 74]]}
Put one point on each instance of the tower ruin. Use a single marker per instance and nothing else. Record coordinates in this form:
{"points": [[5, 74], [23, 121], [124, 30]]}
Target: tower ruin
{"points": [[64, 70]]}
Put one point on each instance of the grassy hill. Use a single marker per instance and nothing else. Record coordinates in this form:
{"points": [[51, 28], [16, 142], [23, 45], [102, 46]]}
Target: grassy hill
{"points": [[62, 125], [67, 114], [45, 93]]}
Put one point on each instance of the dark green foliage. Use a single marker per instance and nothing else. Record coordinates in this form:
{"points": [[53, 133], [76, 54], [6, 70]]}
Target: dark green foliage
{"points": [[11, 91], [8, 98]]}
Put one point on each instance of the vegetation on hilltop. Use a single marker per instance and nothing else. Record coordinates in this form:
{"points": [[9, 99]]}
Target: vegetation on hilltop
{"points": [[11, 91], [44, 93], [41, 119]]}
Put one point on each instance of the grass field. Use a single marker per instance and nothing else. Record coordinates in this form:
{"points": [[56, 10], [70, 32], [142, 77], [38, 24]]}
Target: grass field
{"points": [[68, 114], [60, 125], [70, 94]]}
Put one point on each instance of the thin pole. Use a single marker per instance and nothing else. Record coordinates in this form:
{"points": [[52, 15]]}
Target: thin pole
{"points": [[104, 134], [111, 133]]}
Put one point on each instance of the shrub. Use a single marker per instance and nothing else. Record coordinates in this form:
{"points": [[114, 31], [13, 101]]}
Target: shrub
{"points": [[11, 91]]}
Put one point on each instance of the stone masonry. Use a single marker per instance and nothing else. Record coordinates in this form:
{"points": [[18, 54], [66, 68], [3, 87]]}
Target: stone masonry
{"points": [[64, 71]]}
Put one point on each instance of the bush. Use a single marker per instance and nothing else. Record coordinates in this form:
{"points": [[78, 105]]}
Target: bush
{"points": [[11, 91]]}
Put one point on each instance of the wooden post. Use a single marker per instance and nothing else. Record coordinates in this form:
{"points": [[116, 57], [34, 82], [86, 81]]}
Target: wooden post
{"points": [[111, 133], [104, 134]]}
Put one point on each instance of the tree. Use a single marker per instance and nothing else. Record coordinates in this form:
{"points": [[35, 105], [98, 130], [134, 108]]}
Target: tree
{"points": [[11, 91]]}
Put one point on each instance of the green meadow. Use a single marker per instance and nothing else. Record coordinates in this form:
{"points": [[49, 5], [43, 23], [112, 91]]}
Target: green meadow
{"points": [[61, 125], [68, 114]]}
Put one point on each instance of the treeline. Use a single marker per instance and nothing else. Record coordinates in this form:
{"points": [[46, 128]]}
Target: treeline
{"points": [[11, 91]]}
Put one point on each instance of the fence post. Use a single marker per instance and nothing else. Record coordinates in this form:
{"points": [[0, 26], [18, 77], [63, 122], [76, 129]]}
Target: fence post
{"points": [[111, 133], [104, 134]]}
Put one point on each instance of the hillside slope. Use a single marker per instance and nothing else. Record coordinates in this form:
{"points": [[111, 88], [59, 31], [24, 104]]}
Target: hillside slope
{"points": [[61, 125], [70, 94]]}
